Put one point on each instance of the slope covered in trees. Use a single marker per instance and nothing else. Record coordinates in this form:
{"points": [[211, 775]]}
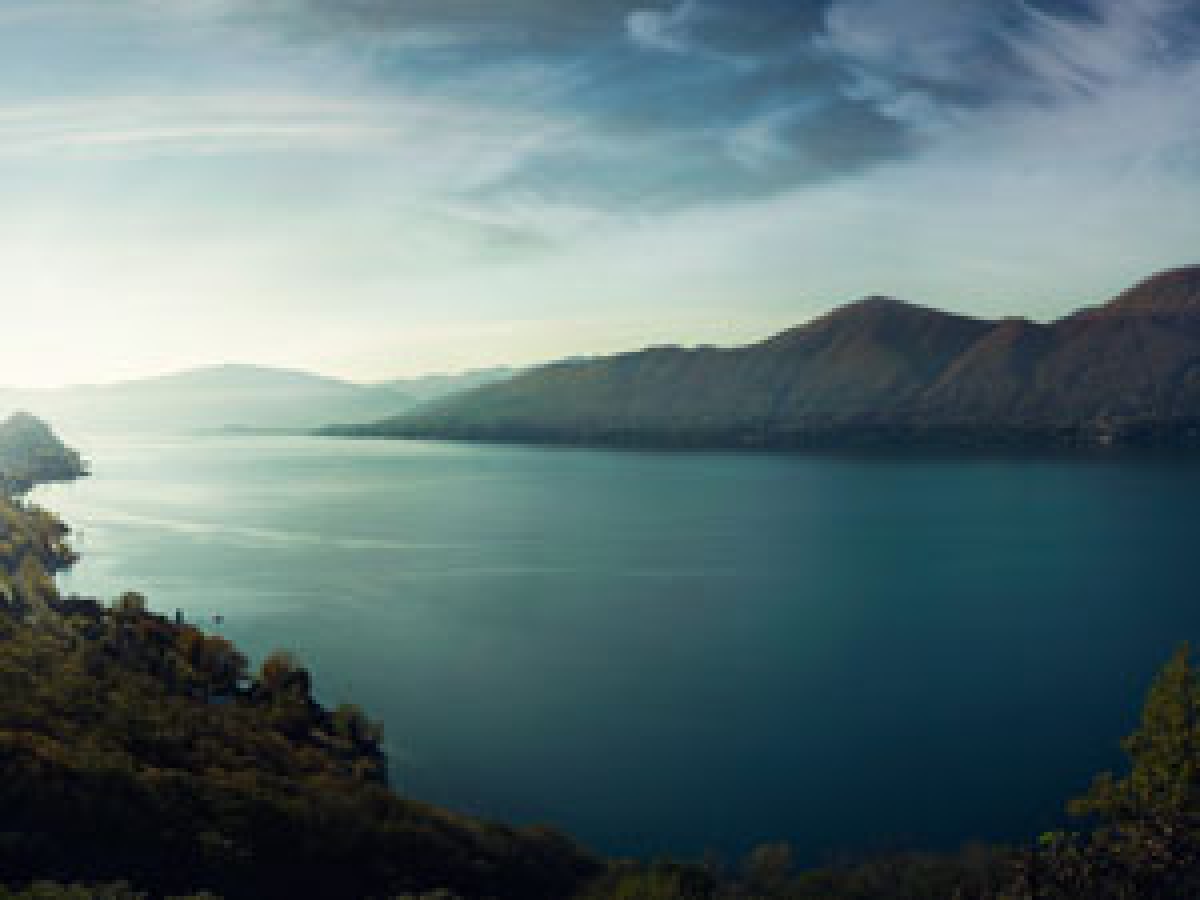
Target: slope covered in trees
{"points": [[138, 749], [878, 371], [31, 453]]}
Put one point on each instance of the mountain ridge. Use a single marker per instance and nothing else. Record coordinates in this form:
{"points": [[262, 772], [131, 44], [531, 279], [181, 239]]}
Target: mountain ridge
{"points": [[225, 395], [878, 370]]}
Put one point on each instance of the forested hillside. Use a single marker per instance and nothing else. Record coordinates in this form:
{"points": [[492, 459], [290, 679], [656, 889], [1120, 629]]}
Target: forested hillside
{"points": [[138, 749]]}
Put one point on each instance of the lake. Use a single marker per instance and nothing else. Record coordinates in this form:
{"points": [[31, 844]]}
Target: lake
{"points": [[673, 653]]}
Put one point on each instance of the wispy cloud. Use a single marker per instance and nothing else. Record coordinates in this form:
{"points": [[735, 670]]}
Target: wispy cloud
{"points": [[137, 126], [937, 41], [1007, 54], [682, 28], [372, 171], [444, 145], [1119, 43]]}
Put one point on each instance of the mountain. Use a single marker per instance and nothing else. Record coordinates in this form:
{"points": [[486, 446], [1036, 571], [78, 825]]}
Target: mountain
{"points": [[211, 397], [1173, 291], [427, 388], [875, 371]]}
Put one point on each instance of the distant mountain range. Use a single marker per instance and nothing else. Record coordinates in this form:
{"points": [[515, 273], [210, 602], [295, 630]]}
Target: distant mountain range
{"points": [[245, 396], [878, 371], [426, 388]]}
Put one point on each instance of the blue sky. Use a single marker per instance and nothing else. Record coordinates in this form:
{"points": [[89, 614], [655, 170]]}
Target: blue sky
{"points": [[373, 188]]}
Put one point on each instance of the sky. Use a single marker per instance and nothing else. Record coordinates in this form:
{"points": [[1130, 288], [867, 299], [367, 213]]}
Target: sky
{"points": [[380, 188]]}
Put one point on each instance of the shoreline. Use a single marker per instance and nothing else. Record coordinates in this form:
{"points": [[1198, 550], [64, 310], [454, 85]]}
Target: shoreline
{"points": [[1180, 439]]}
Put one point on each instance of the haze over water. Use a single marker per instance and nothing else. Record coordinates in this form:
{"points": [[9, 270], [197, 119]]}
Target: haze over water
{"points": [[671, 653]]}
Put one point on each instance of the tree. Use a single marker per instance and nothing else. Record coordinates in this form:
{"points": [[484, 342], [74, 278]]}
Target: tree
{"points": [[1147, 843], [131, 603], [1164, 754], [280, 669], [351, 723]]}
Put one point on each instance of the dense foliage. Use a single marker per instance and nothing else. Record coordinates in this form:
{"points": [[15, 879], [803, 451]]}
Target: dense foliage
{"points": [[137, 748]]}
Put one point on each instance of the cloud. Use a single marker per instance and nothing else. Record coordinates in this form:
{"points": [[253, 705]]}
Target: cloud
{"points": [[530, 25], [991, 53], [936, 41], [680, 29], [770, 35], [1071, 57], [811, 140], [438, 144], [708, 168], [555, 81], [662, 29], [116, 127]]}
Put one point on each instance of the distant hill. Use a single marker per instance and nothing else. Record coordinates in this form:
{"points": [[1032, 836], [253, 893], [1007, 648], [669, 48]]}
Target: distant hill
{"points": [[209, 398], [31, 453], [878, 371], [426, 388]]}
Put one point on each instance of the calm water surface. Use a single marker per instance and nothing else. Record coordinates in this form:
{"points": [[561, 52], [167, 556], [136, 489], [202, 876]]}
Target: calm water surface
{"points": [[669, 653]]}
